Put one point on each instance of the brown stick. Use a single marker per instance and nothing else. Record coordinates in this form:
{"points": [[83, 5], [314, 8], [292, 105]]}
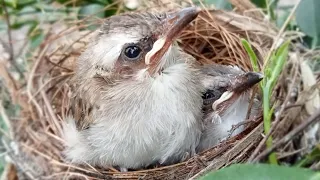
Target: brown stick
{"points": [[312, 119], [232, 153]]}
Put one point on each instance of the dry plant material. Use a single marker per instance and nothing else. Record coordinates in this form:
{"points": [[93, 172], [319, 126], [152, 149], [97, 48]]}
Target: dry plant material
{"points": [[214, 37], [312, 119], [247, 8]]}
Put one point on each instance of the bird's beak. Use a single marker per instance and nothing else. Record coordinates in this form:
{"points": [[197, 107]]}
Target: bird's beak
{"points": [[245, 81], [238, 85], [174, 24]]}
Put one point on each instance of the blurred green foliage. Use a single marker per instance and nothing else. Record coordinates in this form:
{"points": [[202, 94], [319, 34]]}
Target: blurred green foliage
{"points": [[33, 13], [29, 12], [313, 156], [308, 19], [261, 171]]}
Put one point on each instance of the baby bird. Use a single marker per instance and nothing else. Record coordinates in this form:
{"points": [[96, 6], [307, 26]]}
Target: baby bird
{"points": [[138, 96], [226, 102]]}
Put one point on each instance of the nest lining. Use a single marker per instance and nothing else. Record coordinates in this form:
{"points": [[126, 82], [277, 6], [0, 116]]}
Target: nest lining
{"points": [[214, 37]]}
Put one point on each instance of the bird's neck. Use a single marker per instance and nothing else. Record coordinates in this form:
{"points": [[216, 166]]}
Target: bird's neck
{"points": [[175, 82], [179, 77]]}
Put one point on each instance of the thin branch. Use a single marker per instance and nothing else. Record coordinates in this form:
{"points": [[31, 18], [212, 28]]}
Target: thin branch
{"points": [[31, 78], [8, 30], [11, 51], [312, 119], [218, 163]]}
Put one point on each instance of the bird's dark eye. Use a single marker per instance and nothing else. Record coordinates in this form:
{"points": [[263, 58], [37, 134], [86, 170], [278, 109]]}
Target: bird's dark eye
{"points": [[160, 16], [132, 52], [211, 96], [208, 97]]}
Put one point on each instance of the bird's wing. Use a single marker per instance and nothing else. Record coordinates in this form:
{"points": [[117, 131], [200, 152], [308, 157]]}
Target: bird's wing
{"points": [[81, 111], [86, 93]]}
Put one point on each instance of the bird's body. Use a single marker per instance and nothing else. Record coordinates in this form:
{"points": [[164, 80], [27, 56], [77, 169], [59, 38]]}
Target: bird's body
{"points": [[134, 118], [140, 122]]}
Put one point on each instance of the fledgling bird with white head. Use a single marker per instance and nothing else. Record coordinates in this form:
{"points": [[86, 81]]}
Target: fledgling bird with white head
{"points": [[138, 96], [226, 102]]}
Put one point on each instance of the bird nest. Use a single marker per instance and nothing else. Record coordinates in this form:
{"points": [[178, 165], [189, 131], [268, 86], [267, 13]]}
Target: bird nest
{"points": [[35, 143]]}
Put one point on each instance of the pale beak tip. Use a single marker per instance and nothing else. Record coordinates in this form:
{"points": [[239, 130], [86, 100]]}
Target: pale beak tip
{"points": [[257, 75], [189, 13], [197, 9]]}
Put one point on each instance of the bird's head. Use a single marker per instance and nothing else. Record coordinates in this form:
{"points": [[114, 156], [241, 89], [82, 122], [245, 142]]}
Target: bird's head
{"points": [[137, 45], [225, 84]]}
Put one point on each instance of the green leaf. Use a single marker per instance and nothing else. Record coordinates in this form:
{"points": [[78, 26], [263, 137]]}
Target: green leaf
{"points": [[102, 2], [19, 24], [310, 158], [269, 5], [24, 3], [110, 12], [34, 26], [308, 19], [69, 3], [282, 19], [19, 4], [219, 4], [261, 171], [2, 124], [272, 72], [2, 164], [91, 9], [260, 3], [278, 62], [252, 55], [11, 3], [37, 39]]}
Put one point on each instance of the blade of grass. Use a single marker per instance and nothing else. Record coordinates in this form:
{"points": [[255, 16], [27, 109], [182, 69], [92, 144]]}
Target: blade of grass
{"points": [[267, 114], [272, 73], [252, 55], [275, 69], [279, 61], [313, 156]]}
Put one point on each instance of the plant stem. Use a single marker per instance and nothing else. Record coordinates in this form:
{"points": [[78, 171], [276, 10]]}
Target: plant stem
{"points": [[315, 42], [11, 51], [267, 119]]}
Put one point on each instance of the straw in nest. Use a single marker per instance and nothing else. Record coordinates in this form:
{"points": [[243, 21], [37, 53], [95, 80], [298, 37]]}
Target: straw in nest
{"points": [[35, 145]]}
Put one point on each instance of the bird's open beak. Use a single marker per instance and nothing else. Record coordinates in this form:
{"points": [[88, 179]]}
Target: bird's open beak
{"points": [[174, 24], [238, 85]]}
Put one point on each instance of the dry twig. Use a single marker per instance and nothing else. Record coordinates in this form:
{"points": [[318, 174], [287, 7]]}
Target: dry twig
{"points": [[312, 119], [11, 50]]}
